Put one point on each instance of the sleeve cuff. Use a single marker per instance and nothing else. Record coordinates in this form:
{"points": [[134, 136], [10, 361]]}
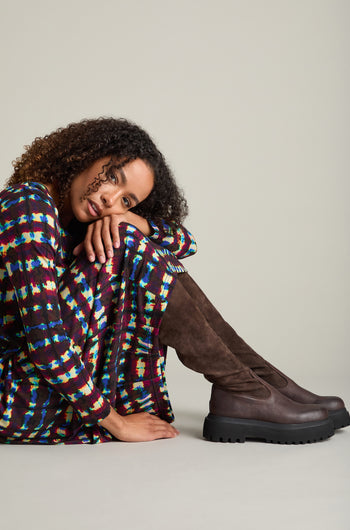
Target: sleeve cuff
{"points": [[155, 230], [93, 416]]}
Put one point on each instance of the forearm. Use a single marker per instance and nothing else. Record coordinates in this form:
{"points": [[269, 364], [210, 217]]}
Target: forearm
{"points": [[103, 234], [140, 222], [175, 238]]}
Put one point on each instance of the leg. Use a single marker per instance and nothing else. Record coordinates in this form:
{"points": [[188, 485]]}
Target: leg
{"points": [[113, 312], [242, 405], [258, 364]]}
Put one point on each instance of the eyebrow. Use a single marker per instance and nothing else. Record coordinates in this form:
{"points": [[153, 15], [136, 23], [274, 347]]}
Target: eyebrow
{"points": [[124, 181]]}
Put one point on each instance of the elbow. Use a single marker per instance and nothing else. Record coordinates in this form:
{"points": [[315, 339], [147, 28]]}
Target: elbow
{"points": [[189, 251]]}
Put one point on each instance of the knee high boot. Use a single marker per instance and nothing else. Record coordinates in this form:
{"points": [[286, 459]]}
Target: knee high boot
{"points": [[242, 405], [258, 364]]}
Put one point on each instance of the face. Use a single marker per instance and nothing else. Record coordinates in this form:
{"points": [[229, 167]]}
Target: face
{"points": [[105, 188]]}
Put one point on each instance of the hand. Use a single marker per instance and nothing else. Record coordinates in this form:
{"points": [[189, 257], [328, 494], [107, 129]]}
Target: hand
{"points": [[101, 237], [103, 234], [139, 427]]}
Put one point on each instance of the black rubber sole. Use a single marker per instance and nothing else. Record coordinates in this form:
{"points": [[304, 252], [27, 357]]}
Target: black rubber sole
{"points": [[340, 418], [223, 429]]}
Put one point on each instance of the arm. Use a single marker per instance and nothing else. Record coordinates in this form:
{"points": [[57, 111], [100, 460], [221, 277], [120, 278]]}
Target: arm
{"points": [[103, 235], [176, 238], [29, 244], [31, 233]]}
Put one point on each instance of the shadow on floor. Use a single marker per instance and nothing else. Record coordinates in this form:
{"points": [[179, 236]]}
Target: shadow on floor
{"points": [[189, 422]]}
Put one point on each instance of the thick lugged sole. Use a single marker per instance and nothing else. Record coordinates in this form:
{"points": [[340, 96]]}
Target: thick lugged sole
{"points": [[223, 429], [340, 418]]}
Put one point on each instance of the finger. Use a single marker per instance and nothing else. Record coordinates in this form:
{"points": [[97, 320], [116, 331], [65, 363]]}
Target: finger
{"points": [[88, 243], [165, 428], [78, 249], [158, 422], [164, 433], [114, 230], [175, 431], [107, 240], [97, 241]]}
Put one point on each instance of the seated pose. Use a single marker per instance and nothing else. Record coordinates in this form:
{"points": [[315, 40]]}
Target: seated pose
{"points": [[92, 291]]}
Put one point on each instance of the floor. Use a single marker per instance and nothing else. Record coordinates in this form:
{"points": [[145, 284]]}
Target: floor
{"points": [[185, 483]]}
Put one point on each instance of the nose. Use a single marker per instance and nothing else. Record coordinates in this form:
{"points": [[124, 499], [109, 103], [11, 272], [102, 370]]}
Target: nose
{"points": [[109, 198]]}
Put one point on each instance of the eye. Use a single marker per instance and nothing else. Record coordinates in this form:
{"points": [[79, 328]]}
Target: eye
{"points": [[113, 176], [126, 202]]}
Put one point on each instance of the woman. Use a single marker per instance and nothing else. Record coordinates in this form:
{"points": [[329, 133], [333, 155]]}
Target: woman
{"points": [[84, 338]]}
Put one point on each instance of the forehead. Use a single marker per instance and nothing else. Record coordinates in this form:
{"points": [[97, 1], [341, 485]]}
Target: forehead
{"points": [[138, 164], [137, 171], [136, 177]]}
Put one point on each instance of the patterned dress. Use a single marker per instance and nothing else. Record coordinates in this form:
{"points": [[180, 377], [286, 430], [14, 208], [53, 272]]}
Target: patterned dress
{"points": [[77, 338]]}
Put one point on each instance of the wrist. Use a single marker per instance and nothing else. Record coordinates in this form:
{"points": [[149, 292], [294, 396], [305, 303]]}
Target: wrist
{"points": [[140, 222], [113, 422]]}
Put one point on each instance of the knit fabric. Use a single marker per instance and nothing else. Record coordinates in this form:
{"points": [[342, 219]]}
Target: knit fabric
{"points": [[77, 337]]}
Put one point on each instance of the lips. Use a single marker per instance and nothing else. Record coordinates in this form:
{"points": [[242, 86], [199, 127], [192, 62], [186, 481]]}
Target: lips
{"points": [[94, 209]]}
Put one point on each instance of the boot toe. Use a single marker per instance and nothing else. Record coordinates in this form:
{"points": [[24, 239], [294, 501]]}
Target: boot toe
{"points": [[331, 403], [312, 413], [340, 418]]}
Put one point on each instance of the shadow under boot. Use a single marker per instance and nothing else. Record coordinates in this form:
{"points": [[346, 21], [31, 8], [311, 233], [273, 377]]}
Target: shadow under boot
{"points": [[242, 405], [261, 367]]}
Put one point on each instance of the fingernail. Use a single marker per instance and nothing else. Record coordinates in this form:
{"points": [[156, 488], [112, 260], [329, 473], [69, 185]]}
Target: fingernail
{"points": [[110, 253], [102, 259], [91, 257], [116, 244]]}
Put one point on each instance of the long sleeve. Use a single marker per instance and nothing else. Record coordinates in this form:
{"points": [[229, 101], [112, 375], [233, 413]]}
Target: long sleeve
{"points": [[29, 246], [175, 238]]}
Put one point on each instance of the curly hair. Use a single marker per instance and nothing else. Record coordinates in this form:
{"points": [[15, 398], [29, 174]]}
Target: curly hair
{"points": [[59, 157]]}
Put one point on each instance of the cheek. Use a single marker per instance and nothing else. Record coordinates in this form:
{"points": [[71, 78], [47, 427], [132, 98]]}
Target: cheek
{"points": [[76, 197]]}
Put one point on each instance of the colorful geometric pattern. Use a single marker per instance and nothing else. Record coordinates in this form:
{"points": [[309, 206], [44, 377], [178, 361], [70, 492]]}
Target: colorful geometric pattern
{"points": [[77, 337]]}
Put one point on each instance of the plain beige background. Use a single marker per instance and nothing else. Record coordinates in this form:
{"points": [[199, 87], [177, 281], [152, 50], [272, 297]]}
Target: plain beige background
{"points": [[249, 103], [248, 100]]}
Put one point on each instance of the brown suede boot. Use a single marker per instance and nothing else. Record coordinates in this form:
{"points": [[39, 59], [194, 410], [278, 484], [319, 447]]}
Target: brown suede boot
{"points": [[242, 405], [258, 364]]}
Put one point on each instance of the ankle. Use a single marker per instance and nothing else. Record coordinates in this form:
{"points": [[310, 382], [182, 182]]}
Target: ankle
{"points": [[246, 383], [272, 378]]}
